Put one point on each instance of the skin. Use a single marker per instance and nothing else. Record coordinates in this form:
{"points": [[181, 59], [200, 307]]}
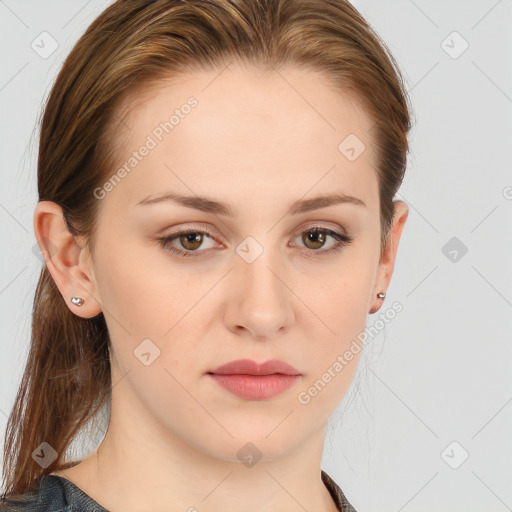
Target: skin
{"points": [[257, 144]]}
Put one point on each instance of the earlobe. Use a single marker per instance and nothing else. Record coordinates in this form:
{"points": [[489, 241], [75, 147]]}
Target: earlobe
{"points": [[61, 252], [381, 296], [388, 258]]}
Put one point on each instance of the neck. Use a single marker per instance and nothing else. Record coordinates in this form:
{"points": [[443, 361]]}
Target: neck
{"points": [[144, 465]]}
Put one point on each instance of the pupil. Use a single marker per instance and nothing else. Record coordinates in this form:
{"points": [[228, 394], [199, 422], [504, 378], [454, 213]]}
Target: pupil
{"points": [[317, 237], [191, 240]]}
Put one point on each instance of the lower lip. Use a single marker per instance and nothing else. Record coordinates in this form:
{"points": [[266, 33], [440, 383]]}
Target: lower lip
{"points": [[255, 387]]}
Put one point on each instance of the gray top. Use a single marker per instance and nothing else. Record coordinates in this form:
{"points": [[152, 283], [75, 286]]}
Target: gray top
{"points": [[57, 494]]}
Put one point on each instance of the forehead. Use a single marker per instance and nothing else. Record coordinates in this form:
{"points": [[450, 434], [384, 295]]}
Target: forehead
{"points": [[249, 131]]}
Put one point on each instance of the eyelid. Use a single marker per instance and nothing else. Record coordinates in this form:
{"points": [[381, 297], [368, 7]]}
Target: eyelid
{"points": [[166, 239], [192, 229], [205, 228], [338, 233], [321, 226]]}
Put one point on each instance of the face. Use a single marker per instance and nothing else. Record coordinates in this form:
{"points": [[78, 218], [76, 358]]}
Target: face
{"points": [[250, 266]]}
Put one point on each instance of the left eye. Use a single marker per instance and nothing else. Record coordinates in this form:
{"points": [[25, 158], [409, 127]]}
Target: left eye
{"points": [[313, 238]]}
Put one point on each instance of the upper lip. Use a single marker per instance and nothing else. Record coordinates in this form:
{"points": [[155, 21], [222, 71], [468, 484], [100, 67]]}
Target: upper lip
{"points": [[250, 367]]}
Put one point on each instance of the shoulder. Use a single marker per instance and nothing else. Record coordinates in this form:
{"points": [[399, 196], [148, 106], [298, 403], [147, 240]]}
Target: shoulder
{"points": [[48, 494], [52, 494], [337, 494]]}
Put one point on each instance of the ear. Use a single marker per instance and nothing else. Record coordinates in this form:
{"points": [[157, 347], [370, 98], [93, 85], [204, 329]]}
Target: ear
{"points": [[387, 259], [67, 260]]}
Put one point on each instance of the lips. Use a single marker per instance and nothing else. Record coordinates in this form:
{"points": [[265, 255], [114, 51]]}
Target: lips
{"points": [[252, 381], [250, 367]]}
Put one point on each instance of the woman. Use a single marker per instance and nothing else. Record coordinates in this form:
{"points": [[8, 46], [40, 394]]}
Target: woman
{"points": [[216, 183]]}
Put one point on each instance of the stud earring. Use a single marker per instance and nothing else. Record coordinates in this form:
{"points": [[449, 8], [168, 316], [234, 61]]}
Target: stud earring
{"points": [[77, 301], [380, 295]]}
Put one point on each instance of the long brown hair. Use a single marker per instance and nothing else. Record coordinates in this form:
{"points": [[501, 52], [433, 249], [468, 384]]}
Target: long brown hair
{"points": [[133, 44]]}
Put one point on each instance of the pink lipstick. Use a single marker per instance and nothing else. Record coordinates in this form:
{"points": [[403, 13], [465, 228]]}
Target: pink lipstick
{"points": [[252, 381]]}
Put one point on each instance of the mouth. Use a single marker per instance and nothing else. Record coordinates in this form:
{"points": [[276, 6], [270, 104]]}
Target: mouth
{"points": [[247, 379], [250, 367]]}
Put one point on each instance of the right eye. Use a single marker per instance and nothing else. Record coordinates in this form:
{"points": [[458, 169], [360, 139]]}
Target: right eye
{"points": [[190, 240]]}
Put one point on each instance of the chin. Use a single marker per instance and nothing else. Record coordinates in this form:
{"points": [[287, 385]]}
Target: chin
{"points": [[253, 445]]}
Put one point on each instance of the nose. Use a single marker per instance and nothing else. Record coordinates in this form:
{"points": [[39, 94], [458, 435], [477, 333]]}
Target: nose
{"points": [[260, 302]]}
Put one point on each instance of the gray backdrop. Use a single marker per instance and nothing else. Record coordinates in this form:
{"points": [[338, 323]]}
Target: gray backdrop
{"points": [[427, 422]]}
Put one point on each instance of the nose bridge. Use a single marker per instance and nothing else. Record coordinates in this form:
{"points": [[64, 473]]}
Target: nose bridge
{"points": [[258, 276], [257, 265], [262, 301]]}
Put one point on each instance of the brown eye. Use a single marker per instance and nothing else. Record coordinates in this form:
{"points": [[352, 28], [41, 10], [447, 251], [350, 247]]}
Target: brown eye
{"points": [[191, 241], [314, 239]]}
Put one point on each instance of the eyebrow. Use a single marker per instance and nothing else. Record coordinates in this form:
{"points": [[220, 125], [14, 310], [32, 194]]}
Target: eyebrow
{"points": [[208, 205]]}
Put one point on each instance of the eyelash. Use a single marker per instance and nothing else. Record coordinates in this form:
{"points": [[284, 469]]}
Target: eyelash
{"points": [[341, 238]]}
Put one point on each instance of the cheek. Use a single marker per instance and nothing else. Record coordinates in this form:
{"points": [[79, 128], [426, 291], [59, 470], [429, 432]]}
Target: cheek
{"points": [[333, 358], [137, 290], [341, 307], [153, 301], [339, 295]]}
